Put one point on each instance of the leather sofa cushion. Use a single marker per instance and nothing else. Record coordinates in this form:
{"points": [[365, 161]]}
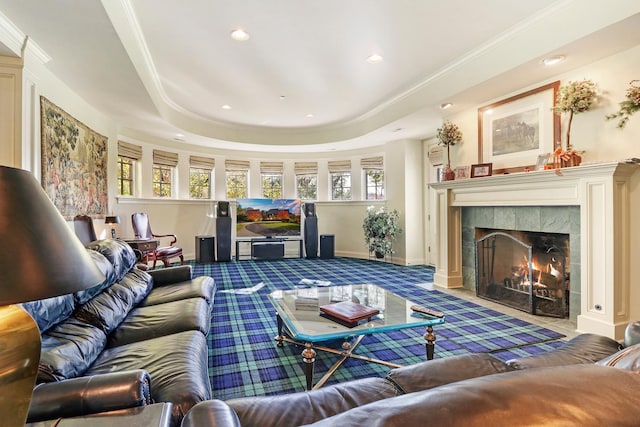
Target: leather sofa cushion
{"points": [[119, 254], [68, 349], [202, 286], [163, 319], [434, 373], [105, 266], [307, 407], [627, 358], [177, 364], [108, 309], [584, 348], [49, 312], [568, 396]]}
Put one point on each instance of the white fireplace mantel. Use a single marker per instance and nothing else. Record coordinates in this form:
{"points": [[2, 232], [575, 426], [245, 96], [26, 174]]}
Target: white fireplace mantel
{"points": [[608, 195]]}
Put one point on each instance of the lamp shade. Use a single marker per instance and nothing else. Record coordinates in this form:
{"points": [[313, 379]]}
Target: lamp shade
{"points": [[40, 256], [112, 219]]}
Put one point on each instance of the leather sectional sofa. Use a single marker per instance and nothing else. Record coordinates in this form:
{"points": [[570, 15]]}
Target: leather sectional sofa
{"points": [[137, 338], [590, 381]]}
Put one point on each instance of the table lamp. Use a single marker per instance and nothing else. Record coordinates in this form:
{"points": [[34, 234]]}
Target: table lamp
{"points": [[112, 220], [40, 257]]}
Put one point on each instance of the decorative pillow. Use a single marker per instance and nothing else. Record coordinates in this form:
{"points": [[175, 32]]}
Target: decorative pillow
{"points": [[118, 252], [51, 311], [68, 350], [109, 272]]}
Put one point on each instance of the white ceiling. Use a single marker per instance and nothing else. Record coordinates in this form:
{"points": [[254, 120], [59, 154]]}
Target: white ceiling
{"points": [[162, 68]]}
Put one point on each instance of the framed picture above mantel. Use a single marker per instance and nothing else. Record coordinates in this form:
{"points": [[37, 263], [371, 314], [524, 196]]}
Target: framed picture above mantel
{"points": [[514, 131]]}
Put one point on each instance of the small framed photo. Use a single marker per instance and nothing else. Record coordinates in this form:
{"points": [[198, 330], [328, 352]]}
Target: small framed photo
{"points": [[481, 169], [462, 172], [543, 159]]}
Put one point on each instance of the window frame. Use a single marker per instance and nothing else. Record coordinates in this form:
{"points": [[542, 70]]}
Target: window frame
{"points": [[160, 167], [381, 186], [267, 175], [132, 163], [200, 172], [342, 175], [315, 189], [245, 174]]}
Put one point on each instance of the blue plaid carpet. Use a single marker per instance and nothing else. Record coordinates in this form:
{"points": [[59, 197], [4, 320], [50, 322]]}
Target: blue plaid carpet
{"points": [[244, 359]]}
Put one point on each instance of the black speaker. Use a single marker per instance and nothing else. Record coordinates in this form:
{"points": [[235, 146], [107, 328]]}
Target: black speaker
{"points": [[223, 209], [223, 238], [327, 246], [205, 249], [309, 209], [311, 236]]}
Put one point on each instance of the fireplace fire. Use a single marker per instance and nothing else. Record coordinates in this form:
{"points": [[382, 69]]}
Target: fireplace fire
{"points": [[525, 270]]}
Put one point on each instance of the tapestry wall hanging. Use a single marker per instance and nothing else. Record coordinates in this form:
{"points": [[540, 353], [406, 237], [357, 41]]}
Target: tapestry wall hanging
{"points": [[74, 163]]}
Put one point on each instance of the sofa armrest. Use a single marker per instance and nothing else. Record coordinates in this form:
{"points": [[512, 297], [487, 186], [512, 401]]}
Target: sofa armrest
{"points": [[211, 413], [166, 276], [91, 394]]}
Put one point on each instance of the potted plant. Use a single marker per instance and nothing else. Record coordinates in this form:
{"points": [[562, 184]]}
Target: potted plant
{"points": [[628, 106], [574, 98], [380, 229], [449, 134]]}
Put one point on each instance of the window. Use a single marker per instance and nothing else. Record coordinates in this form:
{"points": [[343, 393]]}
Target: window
{"points": [[307, 186], [128, 156], [306, 180], [272, 186], [340, 174], [341, 186], [125, 176], [271, 178], [164, 163], [374, 184], [162, 177], [373, 168], [199, 183], [200, 177], [236, 184], [237, 178]]}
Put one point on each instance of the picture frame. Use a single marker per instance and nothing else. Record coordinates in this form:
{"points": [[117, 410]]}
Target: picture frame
{"points": [[462, 172], [512, 132], [481, 169], [543, 159]]}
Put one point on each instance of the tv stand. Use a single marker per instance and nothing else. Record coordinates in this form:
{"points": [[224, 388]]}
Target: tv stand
{"points": [[268, 248]]}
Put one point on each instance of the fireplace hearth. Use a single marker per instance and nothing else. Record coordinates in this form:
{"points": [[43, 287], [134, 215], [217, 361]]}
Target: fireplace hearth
{"points": [[525, 270]]}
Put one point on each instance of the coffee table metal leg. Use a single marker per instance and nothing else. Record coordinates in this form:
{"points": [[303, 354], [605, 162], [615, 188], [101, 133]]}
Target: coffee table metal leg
{"points": [[308, 360], [430, 338], [279, 338]]}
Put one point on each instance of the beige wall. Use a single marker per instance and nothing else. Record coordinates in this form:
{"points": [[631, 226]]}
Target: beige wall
{"points": [[10, 111], [404, 160]]}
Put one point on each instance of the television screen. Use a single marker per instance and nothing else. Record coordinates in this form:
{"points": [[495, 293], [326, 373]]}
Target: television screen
{"points": [[267, 217]]}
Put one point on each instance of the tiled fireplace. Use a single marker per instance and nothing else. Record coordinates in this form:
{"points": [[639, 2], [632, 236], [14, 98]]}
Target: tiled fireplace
{"points": [[596, 205]]}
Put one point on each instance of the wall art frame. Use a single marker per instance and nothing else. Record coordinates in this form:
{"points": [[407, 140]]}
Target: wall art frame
{"points": [[481, 169], [514, 131], [73, 163]]}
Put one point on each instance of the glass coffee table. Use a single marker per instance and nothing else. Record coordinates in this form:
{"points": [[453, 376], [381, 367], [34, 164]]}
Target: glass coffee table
{"points": [[300, 322]]}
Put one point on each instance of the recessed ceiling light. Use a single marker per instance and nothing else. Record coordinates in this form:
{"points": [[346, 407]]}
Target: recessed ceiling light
{"points": [[226, 107], [397, 129], [282, 97], [375, 58], [240, 35], [309, 116], [446, 105], [553, 60]]}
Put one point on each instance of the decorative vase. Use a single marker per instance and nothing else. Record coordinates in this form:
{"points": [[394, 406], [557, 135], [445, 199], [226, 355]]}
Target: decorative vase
{"points": [[449, 174], [379, 255]]}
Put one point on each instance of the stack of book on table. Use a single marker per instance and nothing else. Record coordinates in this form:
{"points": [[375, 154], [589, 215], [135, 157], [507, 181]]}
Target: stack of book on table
{"points": [[348, 313]]}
